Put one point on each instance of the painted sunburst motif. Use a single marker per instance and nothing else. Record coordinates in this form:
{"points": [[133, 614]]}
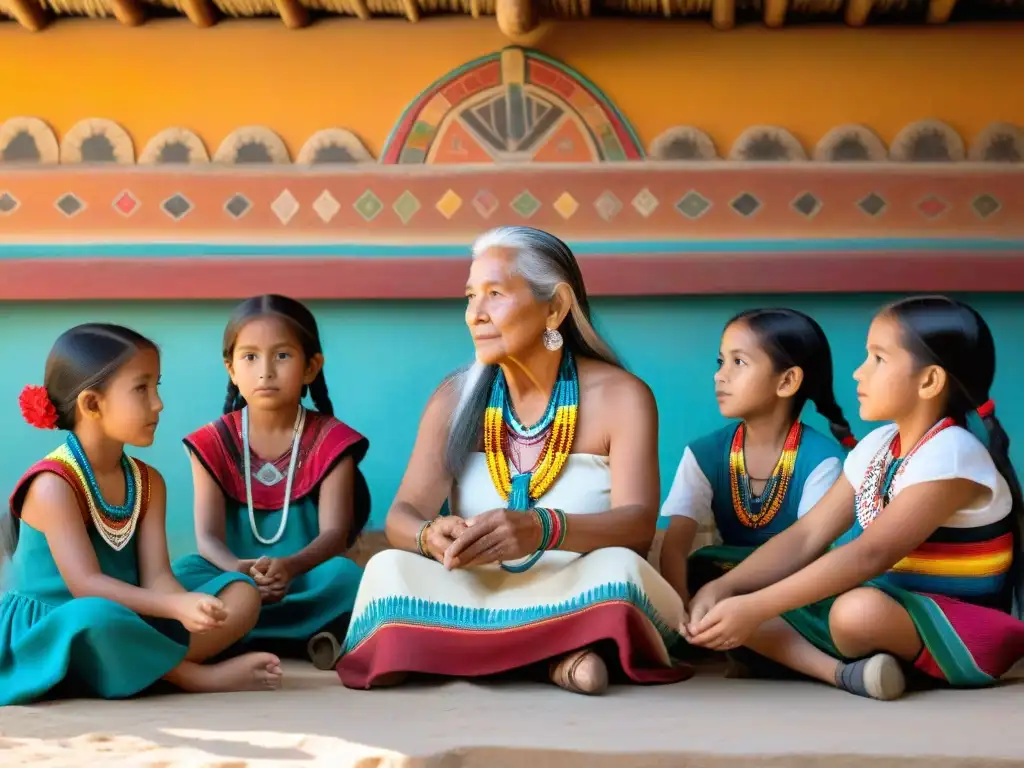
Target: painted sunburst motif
{"points": [[333, 146], [96, 140], [28, 140], [174, 146], [767, 143], [683, 142], [252, 144], [927, 141], [851, 143], [998, 143]]}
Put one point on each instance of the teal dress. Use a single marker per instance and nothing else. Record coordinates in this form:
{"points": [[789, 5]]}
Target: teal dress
{"points": [[52, 643], [321, 599], [705, 471]]}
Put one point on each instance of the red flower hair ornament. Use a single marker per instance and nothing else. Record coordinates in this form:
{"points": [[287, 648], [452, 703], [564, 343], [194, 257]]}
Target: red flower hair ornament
{"points": [[37, 408]]}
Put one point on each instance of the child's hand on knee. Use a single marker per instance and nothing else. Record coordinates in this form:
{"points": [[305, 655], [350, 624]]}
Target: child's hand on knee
{"points": [[199, 612]]}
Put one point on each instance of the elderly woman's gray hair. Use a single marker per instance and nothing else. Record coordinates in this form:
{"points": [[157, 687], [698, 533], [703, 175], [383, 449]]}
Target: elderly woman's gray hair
{"points": [[545, 262]]}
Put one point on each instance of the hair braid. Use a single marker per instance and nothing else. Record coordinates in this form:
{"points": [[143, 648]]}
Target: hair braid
{"points": [[234, 399], [318, 393]]}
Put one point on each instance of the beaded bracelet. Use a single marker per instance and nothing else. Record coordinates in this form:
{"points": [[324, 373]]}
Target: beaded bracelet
{"points": [[553, 527], [419, 537]]}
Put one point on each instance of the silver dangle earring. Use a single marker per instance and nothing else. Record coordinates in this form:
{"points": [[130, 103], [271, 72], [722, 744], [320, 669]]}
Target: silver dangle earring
{"points": [[552, 340]]}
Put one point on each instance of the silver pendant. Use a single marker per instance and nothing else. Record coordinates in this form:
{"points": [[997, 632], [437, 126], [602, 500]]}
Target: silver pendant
{"points": [[269, 475]]}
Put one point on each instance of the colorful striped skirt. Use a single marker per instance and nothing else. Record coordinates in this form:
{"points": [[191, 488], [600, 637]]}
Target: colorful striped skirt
{"points": [[965, 645], [412, 615]]}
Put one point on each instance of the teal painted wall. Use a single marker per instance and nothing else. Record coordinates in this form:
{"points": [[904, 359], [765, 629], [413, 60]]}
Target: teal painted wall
{"points": [[384, 359]]}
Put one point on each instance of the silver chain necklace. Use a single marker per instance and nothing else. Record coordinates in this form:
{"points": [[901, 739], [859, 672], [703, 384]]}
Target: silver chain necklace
{"points": [[300, 423]]}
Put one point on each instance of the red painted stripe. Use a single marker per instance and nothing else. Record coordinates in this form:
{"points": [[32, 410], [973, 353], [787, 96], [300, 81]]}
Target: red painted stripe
{"points": [[463, 653], [942, 550], [440, 278]]}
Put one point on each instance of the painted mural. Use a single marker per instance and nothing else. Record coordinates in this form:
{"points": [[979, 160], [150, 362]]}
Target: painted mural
{"points": [[511, 137]]}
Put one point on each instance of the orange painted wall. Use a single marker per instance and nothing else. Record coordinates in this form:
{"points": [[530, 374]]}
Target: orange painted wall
{"points": [[361, 75]]}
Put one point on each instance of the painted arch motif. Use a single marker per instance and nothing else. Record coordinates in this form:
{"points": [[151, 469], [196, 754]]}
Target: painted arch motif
{"points": [[514, 106]]}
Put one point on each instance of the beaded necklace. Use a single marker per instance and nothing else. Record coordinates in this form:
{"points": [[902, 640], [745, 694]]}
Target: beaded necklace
{"points": [[520, 490], [769, 502], [116, 524], [300, 423], [876, 488]]}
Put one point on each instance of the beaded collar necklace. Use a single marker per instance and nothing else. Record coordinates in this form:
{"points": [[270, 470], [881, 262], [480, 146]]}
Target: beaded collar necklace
{"points": [[876, 488], [116, 524], [521, 490], [769, 502]]}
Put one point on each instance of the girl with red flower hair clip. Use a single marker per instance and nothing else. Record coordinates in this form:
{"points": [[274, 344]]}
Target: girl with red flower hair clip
{"points": [[91, 606]]}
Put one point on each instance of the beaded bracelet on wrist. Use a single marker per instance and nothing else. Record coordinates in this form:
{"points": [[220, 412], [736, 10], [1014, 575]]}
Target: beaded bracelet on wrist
{"points": [[553, 525], [419, 537]]}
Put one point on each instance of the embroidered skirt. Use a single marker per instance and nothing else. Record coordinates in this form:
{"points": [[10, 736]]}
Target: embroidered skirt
{"points": [[965, 645], [412, 615]]}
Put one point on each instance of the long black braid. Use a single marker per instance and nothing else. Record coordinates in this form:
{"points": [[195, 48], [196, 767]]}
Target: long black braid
{"points": [[318, 394]]}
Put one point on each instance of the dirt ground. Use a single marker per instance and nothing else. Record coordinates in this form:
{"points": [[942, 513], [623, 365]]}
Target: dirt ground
{"points": [[706, 722]]}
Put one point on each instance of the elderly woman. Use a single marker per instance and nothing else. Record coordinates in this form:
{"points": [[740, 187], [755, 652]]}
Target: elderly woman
{"points": [[546, 451]]}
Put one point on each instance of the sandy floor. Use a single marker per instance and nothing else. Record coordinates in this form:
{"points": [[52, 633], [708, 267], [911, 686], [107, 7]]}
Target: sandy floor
{"points": [[707, 721]]}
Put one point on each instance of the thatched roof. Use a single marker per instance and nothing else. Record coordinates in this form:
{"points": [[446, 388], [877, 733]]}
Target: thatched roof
{"points": [[519, 17]]}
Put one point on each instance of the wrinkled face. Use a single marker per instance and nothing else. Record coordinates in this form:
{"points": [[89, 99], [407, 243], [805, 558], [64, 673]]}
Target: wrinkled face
{"points": [[746, 382], [888, 380], [129, 404], [268, 365], [504, 318]]}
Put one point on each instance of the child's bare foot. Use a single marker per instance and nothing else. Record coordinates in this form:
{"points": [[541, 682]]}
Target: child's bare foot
{"points": [[249, 672], [581, 671]]}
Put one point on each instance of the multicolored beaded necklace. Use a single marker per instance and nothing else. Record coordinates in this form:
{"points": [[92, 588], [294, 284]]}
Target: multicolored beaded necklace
{"points": [[116, 524], [521, 490], [769, 502], [876, 489]]}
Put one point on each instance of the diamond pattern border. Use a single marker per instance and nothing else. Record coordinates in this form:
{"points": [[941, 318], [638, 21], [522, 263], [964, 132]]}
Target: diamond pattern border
{"points": [[525, 204], [126, 203], [693, 205], [745, 204], [177, 206], [986, 205], [807, 205], [873, 204], [368, 205], [597, 204], [237, 206], [326, 206], [70, 204], [8, 203]]}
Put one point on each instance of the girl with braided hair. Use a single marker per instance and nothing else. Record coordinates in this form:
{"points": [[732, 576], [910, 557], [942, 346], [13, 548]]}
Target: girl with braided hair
{"points": [[748, 481], [911, 562], [278, 492]]}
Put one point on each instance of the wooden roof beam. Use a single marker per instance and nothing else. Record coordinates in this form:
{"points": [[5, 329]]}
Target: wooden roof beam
{"points": [[939, 11], [775, 13], [129, 12], [723, 14], [516, 17], [292, 13], [199, 12], [858, 11], [28, 13], [360, 9]]}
